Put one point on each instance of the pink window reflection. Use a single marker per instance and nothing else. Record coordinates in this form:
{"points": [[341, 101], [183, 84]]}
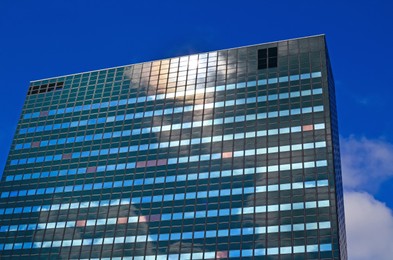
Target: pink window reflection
{"points": [[221, 254], [226, 155], [123, 220], [308, 127], [143, 219], [140, 164], [81, 223], [35, 144], [91, 169], [66, 156], [44, 113]]}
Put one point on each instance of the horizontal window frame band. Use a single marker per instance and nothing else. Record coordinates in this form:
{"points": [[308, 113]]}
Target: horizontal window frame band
{"points": [[172, 216], [180, 160], [177, 143], [235, 253], [126, 133], [166, 197], [217, 121], [181, 236], [110, 135], [271, 168], [143, 99], [186, 177], [173, 110], [207, 157], [122, 184]]}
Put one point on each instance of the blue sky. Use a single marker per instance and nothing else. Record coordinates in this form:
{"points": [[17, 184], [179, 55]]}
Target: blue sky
{"points": [[40, 39]]}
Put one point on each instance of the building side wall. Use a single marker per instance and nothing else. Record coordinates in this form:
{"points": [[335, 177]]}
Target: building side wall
{"points": [[337, 161]]}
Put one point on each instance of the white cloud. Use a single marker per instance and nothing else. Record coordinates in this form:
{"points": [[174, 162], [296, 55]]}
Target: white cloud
{"points": [[369, 225], [366, 163]]}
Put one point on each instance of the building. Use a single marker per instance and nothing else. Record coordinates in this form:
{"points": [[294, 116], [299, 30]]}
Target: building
{"points": [[226, 154]]}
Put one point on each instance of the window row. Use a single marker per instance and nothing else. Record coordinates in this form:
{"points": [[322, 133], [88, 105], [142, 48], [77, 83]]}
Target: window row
{"points": [[197, 158], [218, 121], [113, 168], [164, 145], [149, 181], [189, 235], [175, 237], [297, 96], [270, 251], [167, 197], [173, 110], [126, 133], [84, 100], [222, 212], [172, 95], [93, 169]]}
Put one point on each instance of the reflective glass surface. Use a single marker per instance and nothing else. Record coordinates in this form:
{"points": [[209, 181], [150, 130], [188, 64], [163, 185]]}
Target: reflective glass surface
{"points": [[226, 154]]}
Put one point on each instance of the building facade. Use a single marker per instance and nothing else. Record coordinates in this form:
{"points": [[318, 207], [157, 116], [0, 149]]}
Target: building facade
{"points": [[226, 154]]}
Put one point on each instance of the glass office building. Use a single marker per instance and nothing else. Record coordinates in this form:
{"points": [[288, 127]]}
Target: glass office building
{"points": [[225, 154]]}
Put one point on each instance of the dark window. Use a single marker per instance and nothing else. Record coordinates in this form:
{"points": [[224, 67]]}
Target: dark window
{"points": [[267, 58], [45, 88]]}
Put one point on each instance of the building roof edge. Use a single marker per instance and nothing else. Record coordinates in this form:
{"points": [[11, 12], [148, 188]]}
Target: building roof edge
{"points": [[115, 67]]}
